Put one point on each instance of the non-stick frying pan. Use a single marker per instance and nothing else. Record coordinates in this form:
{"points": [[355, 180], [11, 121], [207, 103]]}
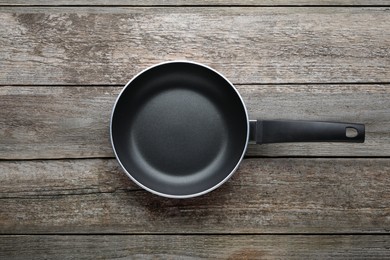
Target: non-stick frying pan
{"points": [[180, 129]]}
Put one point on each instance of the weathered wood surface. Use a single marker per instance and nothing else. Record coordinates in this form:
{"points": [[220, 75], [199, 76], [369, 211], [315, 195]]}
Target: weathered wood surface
{"points": [[195, 247], [62, 64], [51, 46], [73, 122], [196, 2], [264, 196]]}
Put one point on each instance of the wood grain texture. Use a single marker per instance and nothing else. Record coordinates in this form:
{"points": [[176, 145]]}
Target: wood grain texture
{"points": [[194, 2], [195, 247], [52, 46], [73, 122], [93, 47], [264, 196]]}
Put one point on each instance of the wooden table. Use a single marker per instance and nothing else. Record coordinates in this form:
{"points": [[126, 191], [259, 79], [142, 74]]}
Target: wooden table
{"points": [[63, 195]]}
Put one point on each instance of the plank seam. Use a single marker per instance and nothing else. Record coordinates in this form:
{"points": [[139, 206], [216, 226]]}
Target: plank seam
{"points": [[238, 84], [246, 157], [201, 234], [194, 6], [117, 191]]}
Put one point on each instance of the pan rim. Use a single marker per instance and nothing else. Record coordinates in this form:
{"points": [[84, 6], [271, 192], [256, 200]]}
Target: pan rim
{"points": [[186, 195]]}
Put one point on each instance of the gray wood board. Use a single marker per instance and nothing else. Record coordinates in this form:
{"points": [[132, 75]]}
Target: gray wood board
{"points": [[96, 45], [73, 122], [264, 196], [195, 2], [195, 247]]}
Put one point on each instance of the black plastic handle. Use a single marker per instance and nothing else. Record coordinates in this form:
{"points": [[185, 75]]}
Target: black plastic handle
{"points": [[281, 131]]}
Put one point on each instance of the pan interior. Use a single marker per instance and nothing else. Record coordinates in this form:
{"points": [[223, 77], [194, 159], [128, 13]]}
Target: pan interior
{"points": [[179, 129]]}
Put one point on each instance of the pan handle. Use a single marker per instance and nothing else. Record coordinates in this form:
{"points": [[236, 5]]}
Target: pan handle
{"points": [[286, 131]]}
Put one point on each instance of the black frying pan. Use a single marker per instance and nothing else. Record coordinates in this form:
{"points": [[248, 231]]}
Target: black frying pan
{"points": [[180, 129]]}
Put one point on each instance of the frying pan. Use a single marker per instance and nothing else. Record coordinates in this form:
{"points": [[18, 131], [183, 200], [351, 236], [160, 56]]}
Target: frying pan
{"points": [[180, 129]]}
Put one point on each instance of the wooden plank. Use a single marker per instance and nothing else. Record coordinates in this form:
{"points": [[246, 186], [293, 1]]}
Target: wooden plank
{"points": [[249, 45], [195, 247], [73, 122], [264, 196], [195, 2]]}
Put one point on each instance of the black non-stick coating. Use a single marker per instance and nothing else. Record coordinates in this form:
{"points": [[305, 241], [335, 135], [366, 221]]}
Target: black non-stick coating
{"points": [[179, 129]]}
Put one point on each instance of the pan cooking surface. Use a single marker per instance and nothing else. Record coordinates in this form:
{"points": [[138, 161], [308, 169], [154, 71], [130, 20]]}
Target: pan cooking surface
{"points": [[185, 136], [179, 129]]}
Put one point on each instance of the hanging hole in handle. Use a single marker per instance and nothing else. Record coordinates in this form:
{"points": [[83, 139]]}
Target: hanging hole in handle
{"points": [[351, 132]]}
